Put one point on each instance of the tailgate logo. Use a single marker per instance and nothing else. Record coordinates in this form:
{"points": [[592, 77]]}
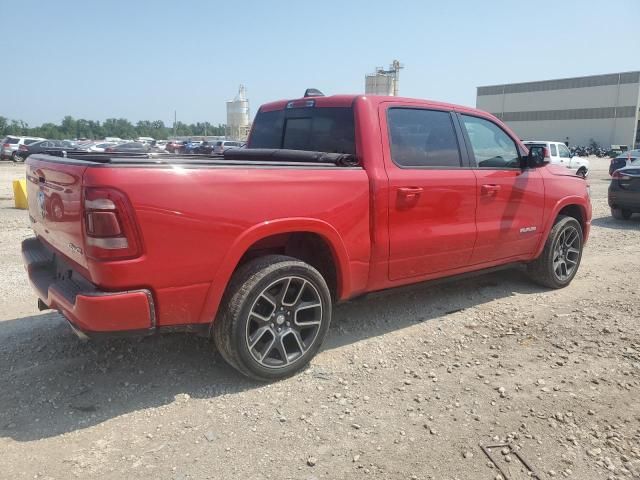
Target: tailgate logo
{"points": [[41, 198]]}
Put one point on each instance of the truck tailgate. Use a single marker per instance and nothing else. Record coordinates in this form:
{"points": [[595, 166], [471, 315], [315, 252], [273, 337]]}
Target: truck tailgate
{"points": [[55, 194]]}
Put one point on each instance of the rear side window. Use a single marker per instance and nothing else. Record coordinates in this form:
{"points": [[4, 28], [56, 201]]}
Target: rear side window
{"points": [[492, 147], [422, 138], [323, 129], [12, 141], [554, 149]]}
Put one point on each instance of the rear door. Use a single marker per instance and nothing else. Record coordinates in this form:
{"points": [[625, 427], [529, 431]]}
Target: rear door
{"points": [[565, 155], [432, 200], [553, 153], [510, 199]]}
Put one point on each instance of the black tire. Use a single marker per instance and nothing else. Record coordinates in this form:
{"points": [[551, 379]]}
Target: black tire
{"points": [[14, 157], [621, 213], [247, 288], [542, 270]]}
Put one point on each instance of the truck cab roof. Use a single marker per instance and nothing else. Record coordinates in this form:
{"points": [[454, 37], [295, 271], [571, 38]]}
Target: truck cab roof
{"points": [[351, 100]]}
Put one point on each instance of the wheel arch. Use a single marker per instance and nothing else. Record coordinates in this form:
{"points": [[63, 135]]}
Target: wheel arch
{"points": [[571, 207], [311, 240]]}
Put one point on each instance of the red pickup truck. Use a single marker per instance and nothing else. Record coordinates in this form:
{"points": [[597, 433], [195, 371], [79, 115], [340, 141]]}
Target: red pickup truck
{"points": [[334, 197]]}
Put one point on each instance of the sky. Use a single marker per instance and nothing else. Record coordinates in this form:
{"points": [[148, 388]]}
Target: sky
{"points": [[141, 60]]}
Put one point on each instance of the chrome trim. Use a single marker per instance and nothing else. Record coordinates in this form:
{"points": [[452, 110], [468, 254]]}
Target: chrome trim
{"points": [[99, 204], [108, 243]]}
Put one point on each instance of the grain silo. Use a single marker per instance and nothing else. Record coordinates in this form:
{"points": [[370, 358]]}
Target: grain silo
{"points": [[238, 124], [383, 82]]}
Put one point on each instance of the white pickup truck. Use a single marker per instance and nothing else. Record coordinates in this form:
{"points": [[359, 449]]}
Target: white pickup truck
{"points": [[559, 154]]}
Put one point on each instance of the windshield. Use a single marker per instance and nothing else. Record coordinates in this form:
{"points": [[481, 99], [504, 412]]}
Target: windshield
{"points": [[325, 129]]}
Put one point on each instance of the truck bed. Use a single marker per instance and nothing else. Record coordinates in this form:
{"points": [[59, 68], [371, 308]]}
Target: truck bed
{"points": [[194, 213]]}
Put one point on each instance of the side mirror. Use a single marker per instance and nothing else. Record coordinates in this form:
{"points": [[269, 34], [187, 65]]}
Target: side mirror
{"points": [[538, 156]]}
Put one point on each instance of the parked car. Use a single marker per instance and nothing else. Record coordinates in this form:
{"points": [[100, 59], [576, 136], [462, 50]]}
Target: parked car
{"points": [[205, 147], [560, 154], [11, 143], [624, 191], [130, 147], [173, 146], [621, 160], [160, 144], [429, 190], [101, 146], [224, 145], [45, 146], [190, 146]]}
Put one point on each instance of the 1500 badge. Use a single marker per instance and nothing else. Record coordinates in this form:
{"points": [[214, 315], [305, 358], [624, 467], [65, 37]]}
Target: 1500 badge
{"points": [[75, 248], [528, 229]]}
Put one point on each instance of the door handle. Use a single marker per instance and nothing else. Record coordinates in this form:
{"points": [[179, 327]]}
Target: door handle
{"points": [[489, 190], [409, 193]]}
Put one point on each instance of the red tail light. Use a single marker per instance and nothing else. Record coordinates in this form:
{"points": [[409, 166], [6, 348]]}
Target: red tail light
{"points": [[110, 228], [546, 153], [23, 148], [108, 149], [6, 145]]}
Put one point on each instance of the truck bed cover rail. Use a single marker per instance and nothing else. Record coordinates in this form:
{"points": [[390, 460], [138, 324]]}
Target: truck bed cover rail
{"points": [[236, 156]]}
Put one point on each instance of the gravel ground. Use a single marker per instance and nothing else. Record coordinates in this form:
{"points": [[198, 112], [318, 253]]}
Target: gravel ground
{"points": [[408, 386]]}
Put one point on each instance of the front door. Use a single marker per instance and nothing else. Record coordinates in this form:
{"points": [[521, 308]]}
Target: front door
{"points": [[510, 199], [432, 200]]}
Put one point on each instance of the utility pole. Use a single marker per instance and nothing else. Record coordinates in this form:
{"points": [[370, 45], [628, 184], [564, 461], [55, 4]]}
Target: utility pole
{"points": [[175, 116]]}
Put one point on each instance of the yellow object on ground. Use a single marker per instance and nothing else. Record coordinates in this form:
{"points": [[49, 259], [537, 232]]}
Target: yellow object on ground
{"points": [[20, 194]]}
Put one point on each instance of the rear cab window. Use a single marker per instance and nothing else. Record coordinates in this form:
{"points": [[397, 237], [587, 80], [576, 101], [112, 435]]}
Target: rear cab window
{"points": [[315, 129]]}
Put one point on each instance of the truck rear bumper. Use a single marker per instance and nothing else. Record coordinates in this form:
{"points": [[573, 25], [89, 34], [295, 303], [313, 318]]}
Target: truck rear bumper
{"points": [[90, 311]]}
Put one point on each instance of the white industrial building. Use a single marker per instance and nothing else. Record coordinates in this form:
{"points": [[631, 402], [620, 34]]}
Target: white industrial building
{"points": [[238, 123], [604, 108]]}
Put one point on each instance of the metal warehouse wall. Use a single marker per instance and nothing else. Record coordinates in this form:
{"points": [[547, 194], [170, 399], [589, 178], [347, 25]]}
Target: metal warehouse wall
{"points": [[600, 107]]}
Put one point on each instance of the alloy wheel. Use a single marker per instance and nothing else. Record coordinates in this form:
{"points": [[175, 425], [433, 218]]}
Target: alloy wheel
{"points": [[284, 322], [566, 253]]}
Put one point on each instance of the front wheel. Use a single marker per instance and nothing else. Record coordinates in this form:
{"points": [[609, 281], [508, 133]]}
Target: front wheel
{"points": [[274, 317], [582, 172], [560, 258]]}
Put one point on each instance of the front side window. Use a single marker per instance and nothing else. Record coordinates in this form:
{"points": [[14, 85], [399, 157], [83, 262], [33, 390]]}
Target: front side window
{"points": [[564, 151], [491, 146], [422, 138]]}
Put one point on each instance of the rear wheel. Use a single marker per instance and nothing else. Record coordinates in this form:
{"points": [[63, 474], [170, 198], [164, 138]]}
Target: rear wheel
{"points": [[621, 213], [274, 317], [560, 258]]}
